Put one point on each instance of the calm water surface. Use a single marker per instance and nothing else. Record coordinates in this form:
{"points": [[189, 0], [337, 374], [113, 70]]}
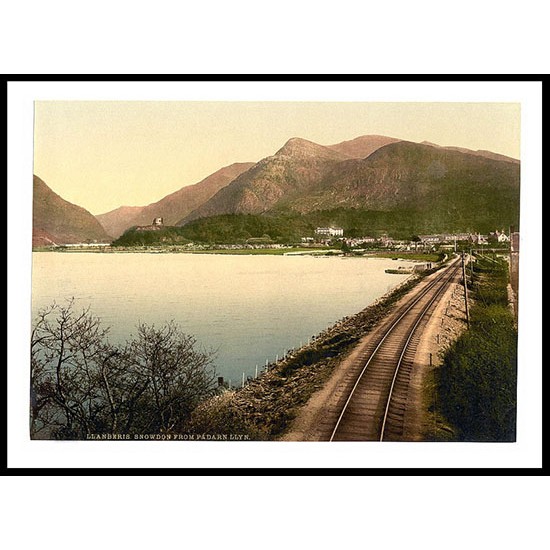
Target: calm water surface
{"points": [[249, 308]]}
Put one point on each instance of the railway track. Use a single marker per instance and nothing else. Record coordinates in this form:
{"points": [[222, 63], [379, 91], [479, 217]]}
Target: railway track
{"points": [[374, 408]]}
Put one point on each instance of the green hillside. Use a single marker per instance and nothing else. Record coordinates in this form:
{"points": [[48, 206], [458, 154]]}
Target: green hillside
{"points": [[284, 226]]}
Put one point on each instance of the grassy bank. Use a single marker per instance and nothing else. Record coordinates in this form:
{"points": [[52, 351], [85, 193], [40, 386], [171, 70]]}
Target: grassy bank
{"points": [[412, 256], [261, 251], [476, 382]]}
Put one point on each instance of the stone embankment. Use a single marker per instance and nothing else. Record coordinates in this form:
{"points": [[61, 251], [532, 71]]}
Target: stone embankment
{"points": [[265, 407]]}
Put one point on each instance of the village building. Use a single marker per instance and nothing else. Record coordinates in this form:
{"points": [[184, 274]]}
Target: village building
{"points": [[158, 223], [330, 231], [430, 239], [478, 238], [446, 238], [500, 236], [462, 236]]}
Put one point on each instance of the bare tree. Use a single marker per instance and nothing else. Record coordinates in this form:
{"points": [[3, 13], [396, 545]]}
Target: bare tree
{"points": [[81, 384], [172, 373], [67, 351]]}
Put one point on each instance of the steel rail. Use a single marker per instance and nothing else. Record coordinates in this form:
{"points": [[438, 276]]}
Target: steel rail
{"points": [[443, 279], [405, 346]]}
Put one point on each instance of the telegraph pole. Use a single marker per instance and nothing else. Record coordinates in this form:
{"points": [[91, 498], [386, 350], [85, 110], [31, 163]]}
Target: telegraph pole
{"points": [[465, 291]]}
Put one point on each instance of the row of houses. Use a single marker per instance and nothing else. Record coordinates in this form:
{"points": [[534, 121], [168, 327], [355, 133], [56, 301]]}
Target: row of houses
{"points": [[440, 238], [476, 238]]}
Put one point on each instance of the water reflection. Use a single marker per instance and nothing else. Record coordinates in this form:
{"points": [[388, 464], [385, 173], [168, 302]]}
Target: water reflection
{"points": [[249, 308]]}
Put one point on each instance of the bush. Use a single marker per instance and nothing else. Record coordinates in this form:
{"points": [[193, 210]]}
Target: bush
{"points": [[478, 377], [220, 415]]}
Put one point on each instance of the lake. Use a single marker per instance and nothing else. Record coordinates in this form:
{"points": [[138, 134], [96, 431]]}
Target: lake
{"points": [[248, 308]]}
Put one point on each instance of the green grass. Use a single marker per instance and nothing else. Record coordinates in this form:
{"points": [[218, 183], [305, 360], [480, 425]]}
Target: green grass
{"points": [[477, 380], [260, 251]]}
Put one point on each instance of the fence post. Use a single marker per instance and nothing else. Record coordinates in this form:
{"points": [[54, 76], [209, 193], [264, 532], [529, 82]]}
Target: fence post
{"points": [[465, 291]]}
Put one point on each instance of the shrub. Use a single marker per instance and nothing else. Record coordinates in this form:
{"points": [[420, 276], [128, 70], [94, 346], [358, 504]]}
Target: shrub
{"points": [[478, 376]]}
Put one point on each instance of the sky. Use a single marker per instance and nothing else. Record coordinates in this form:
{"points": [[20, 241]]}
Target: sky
{"points": [[104, 154]]}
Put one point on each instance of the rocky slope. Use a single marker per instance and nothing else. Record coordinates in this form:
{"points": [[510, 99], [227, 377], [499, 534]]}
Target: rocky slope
{"points": [[293, 170], [452, 186], [57, 221], [408, 175]]}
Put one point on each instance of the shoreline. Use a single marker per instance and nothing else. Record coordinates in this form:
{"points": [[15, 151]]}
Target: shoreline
{"points": [[271, 401], [268, 406], [284, 251]]}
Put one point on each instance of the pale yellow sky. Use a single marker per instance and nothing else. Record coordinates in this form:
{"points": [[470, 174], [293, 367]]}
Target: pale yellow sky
{"points": [[105, 154]]}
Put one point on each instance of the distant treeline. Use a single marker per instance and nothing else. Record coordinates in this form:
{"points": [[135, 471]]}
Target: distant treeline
{"points": [[477, 380], [287, 226]]}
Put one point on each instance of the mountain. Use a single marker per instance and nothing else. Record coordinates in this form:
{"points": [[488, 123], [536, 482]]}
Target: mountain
{"points": [[405, 175], [479, 152], [450, 189], [57, 221], [486, 154], [454, 189], [173, 207], [363, 146], [292, 171]]}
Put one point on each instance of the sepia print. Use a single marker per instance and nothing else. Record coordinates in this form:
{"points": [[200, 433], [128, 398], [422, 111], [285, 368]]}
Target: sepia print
{"points": [[275, 271]]}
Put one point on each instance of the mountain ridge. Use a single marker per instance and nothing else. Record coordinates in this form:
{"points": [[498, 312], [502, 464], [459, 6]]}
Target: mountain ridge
{"points": [[478, 152], [292, 169], [362, 146], [173, 206], [371, 172]]}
